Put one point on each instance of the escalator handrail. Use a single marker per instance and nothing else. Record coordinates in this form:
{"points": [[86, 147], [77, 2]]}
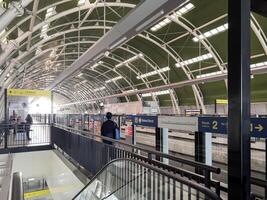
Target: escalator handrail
{"points": [[17, 187], [214, 169], [179, 179]]}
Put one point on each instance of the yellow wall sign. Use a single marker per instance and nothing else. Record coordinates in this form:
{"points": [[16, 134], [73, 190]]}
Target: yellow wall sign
{"points": [[24, 92], [221, 101]]}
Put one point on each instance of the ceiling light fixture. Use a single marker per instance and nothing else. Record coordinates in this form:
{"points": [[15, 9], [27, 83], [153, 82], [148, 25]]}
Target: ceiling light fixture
{"points": [[211, 33], [188, 7], [99, 89], [114, 79], [50, 11], [252, 66], [158, 93], [81, 2], [154, 72], [128, 91], [80, 74], [194, 60], [140, 55]]}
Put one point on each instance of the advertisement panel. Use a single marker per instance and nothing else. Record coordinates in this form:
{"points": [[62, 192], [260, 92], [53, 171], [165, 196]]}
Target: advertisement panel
{"points": [[178, 123]]}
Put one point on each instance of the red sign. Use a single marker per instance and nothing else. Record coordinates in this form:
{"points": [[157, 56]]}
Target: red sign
{"points": [[129, 131]]}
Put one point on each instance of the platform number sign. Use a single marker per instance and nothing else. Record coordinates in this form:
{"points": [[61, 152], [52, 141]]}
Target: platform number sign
{"points": [[215, 125], [258, 126]]}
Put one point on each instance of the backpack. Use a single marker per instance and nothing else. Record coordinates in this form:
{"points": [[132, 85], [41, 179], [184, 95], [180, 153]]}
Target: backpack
{"points": [[117, 132]]}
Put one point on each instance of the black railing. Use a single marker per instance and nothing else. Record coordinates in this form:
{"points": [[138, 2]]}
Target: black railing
{"points": [[90, 152], [23, 135], [133, 179], [5, 176]]}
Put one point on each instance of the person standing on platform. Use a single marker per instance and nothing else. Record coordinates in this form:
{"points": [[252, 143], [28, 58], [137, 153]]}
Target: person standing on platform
{"points": [[28, 125], [109, 129]]}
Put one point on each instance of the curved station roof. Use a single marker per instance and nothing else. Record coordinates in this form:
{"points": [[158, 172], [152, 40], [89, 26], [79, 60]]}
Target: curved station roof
{"points": [[89, 51]]}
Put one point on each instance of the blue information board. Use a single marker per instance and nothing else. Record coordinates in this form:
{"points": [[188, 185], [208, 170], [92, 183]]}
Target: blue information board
{"points": [[143, 120], [258, 126]]}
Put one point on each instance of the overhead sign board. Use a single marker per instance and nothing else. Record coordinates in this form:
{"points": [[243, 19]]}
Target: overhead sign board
{"points": [[258, 126], [98, 117], [24, 92], [212, 124], [143, 120], [178, 123]]}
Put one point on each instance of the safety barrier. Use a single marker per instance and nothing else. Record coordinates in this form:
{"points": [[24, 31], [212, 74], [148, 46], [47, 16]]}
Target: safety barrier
{"points": [[132, 179], [5, 175], [14, 136], [91, 153]]}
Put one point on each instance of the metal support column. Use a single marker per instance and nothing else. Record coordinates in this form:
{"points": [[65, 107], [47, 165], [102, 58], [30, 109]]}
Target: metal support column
{"points": [[239, 99], [6, 117], [165, 143], [265, 166], [52, 107], [199, 149], [119, 123], [134, 135], [159, 140], [203, 148], [215, 106]]}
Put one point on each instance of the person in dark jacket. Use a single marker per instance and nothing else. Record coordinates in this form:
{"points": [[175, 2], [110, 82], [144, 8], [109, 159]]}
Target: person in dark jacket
{"points": [[108, 128], [28, 125]]}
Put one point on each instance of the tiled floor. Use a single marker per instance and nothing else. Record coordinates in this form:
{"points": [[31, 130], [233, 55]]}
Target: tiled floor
{"points": [[62, 183]]}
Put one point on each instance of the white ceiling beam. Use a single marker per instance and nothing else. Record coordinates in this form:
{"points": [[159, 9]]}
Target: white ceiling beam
{"points": [[141, 17], [218, 77], [34, 13], [15, 9]]}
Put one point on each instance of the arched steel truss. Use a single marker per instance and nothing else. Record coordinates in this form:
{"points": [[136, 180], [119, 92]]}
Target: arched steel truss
{"points": [[8, 58]]}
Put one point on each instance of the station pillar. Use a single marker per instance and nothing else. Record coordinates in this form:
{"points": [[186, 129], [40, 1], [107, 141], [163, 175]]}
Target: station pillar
{"points": [[133, 134], [203, 148], [6, 117], [162, 144], [239, 162]]}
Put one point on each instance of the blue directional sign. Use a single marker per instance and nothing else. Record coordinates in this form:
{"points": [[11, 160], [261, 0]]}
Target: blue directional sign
{"points": [[212, 125], [97, 117], [258, 126], [143, 120]]}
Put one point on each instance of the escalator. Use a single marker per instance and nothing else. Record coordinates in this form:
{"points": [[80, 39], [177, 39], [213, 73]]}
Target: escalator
{"points": [[130, 179]]}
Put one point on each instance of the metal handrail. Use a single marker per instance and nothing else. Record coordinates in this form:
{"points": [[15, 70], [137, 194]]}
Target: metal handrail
{"points": [[209, 193], [17, 187], [6, 175], [149, 151]]}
